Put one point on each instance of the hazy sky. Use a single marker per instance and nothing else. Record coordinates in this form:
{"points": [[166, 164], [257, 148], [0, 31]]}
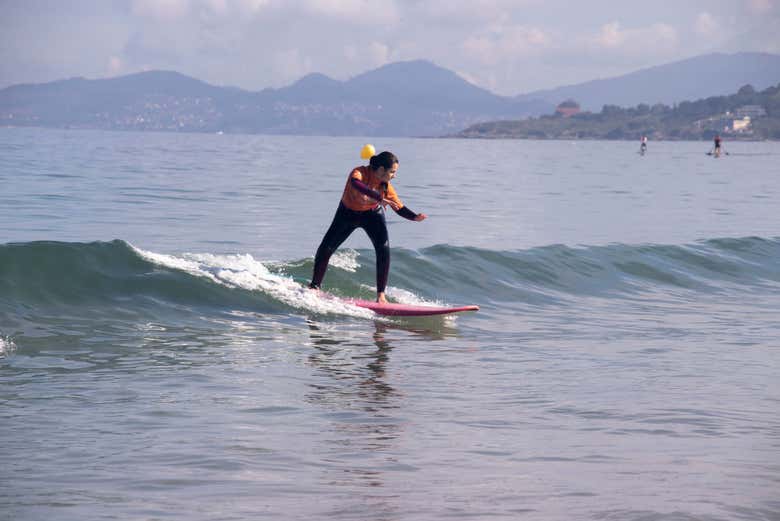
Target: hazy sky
{"points": [[507, 46]]}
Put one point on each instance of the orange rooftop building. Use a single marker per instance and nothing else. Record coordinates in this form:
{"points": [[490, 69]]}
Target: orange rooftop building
{"points": [[568, 108]]}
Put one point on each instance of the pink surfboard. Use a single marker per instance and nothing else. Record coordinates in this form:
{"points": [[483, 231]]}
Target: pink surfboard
{"points": [[407, 310]]}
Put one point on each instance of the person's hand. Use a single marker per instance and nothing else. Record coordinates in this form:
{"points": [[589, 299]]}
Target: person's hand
{"points": [[395, 206], [420, 217]]}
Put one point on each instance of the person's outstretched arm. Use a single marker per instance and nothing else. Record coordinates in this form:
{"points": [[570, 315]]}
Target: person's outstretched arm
{"points": [[406, 213]]}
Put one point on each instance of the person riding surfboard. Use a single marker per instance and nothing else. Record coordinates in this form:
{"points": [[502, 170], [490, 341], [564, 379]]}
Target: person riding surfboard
{"points": [[367, 192]]}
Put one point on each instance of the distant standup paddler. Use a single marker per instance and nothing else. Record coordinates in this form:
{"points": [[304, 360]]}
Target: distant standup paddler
{"points": [[367, 192], [716, 150], [643, 145]]}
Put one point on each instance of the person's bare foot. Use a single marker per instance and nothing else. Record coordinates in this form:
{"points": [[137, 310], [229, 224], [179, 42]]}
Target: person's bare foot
{"points": [[380, 297]]}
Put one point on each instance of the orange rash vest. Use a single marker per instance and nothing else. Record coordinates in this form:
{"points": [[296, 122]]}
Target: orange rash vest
{"points": [[356, 201]]}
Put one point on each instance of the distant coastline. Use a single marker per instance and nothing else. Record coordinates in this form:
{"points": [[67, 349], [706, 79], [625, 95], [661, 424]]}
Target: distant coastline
{"points": [[745, 116], [421, 99]]}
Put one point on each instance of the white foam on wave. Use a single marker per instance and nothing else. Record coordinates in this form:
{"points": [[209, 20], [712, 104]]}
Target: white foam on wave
{"points": [[6, 346], [245, 272], [407, 297], [345, 260]]}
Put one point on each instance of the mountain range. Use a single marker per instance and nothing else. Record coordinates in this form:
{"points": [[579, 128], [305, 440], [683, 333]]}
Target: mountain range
{"points": [[415, 98], [686, 80]]}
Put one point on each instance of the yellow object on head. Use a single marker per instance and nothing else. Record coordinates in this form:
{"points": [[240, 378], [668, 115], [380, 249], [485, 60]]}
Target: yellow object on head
{"points": [[367, 151]]}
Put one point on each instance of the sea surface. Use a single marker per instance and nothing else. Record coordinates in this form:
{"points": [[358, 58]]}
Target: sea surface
{"points": [[160, 359]]}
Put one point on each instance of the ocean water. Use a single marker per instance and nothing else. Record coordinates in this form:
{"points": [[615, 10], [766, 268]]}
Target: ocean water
{"points": [[159, 358]]}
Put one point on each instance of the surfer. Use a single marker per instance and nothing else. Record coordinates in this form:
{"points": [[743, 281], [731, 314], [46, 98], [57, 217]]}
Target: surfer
{"points": [[367, 192], [716, 150], [643, 145]]}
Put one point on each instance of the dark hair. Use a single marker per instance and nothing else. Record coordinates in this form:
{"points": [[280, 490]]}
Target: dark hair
{"points": [[385, 159]]}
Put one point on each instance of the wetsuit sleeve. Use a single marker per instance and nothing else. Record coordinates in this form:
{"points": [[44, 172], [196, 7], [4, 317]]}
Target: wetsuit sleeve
{"points": [[363, 188], [406, 213]]}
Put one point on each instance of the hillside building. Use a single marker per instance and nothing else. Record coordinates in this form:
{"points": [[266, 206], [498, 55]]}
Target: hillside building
{"points": [[751, 111], [741, 125], [568, 108]]}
